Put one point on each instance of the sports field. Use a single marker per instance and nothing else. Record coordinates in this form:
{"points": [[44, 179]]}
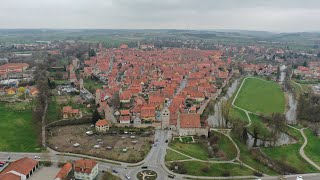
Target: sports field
{"points": [[261, 96]]}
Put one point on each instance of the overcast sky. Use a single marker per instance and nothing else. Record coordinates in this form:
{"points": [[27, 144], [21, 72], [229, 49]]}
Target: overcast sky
{"points": [[269, 15]]}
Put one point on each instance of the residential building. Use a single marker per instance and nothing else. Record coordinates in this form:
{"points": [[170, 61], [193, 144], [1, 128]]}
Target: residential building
{"points": [[148, 113], [64, 171], [21, 169], [69, 112], [102, 126], [86, 169]]}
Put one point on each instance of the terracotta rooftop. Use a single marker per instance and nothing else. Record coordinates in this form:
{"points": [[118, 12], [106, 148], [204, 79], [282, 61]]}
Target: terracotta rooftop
{"points": [[190, 120], [102, 122], [84, 165], [22, 166], [9, 176], [65, 170]]}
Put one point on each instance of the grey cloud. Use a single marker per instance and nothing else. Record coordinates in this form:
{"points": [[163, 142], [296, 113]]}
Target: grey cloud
{"points": [[273, 15]]}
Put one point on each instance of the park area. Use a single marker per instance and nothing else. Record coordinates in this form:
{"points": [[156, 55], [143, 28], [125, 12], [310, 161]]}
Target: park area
{"points": [[261, 96], [17, 129], [197, 168], [120, 145], [217, 147]]}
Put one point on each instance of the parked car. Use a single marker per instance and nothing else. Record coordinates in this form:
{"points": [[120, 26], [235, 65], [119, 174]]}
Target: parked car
{"points": [[115, 171], [171, 176], [128, 177], [299, 178], [36, 157], [144, 167]]}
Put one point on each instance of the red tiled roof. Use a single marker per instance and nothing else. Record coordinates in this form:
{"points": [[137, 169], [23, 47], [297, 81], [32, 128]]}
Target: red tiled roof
{"points": [[148, 111], [124, 112], [190, 120], [23, 166], [102, 122], [65, 170], [84, 165], [9, 176]]}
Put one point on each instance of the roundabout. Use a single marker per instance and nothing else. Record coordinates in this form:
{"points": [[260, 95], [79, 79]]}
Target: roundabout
{"points": [[147, 175]]}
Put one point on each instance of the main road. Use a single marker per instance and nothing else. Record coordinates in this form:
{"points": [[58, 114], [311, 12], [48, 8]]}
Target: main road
{"points": [[155, 160]]}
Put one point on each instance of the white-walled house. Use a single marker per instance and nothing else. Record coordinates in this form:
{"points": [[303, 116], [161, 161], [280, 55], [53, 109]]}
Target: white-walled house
{"points": [[86, 169]]}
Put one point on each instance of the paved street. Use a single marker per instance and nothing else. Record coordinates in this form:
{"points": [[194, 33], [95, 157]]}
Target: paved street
{"points": [[154, 161]]}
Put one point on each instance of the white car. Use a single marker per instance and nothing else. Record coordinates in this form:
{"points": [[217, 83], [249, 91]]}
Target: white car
{"points": [[299, 178], [36, 157], [128, 177]]}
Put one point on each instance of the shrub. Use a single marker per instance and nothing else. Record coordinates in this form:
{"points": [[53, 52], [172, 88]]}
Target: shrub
{"points": [[258, 174], [205, 169], [226, 173], [46, 163]]}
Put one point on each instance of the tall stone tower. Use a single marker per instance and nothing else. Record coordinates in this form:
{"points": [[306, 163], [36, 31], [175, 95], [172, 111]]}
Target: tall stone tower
{"points": [[98, 96], [165, 118], [81, 83]]}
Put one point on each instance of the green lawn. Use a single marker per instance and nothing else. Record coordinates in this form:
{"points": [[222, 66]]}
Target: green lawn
{"points": [[91, 85], [195, 150], [237, 114], [261, 96], [17, 130], [312, 149], [187, 139], [173, 156], [53, 113], [197, 168], [263, 131], [247, 158], [225, 144], [289, 154]]}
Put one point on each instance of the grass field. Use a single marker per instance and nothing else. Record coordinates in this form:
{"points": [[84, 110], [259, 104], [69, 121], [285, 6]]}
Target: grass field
{"points": [[289, 154], [247, 158], [261, 96], [312, 149], [53, 113], [173, 156], [263, 131], [197, 168], [237, 114], [226, 146], [195, 150], [17, 130]]}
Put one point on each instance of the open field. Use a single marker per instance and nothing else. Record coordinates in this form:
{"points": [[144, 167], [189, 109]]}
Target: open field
{"points": [[195, 150], [260, 126], [197, 168], [17, 129], [62, 139], [261, 96], [225, 146], [237, 114], [289, 154], [312, 149], [247, 158], [173, 156]]}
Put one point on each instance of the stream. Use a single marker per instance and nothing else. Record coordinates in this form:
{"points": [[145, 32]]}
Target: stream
{"points": [[291, 114], [216, 120]]}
